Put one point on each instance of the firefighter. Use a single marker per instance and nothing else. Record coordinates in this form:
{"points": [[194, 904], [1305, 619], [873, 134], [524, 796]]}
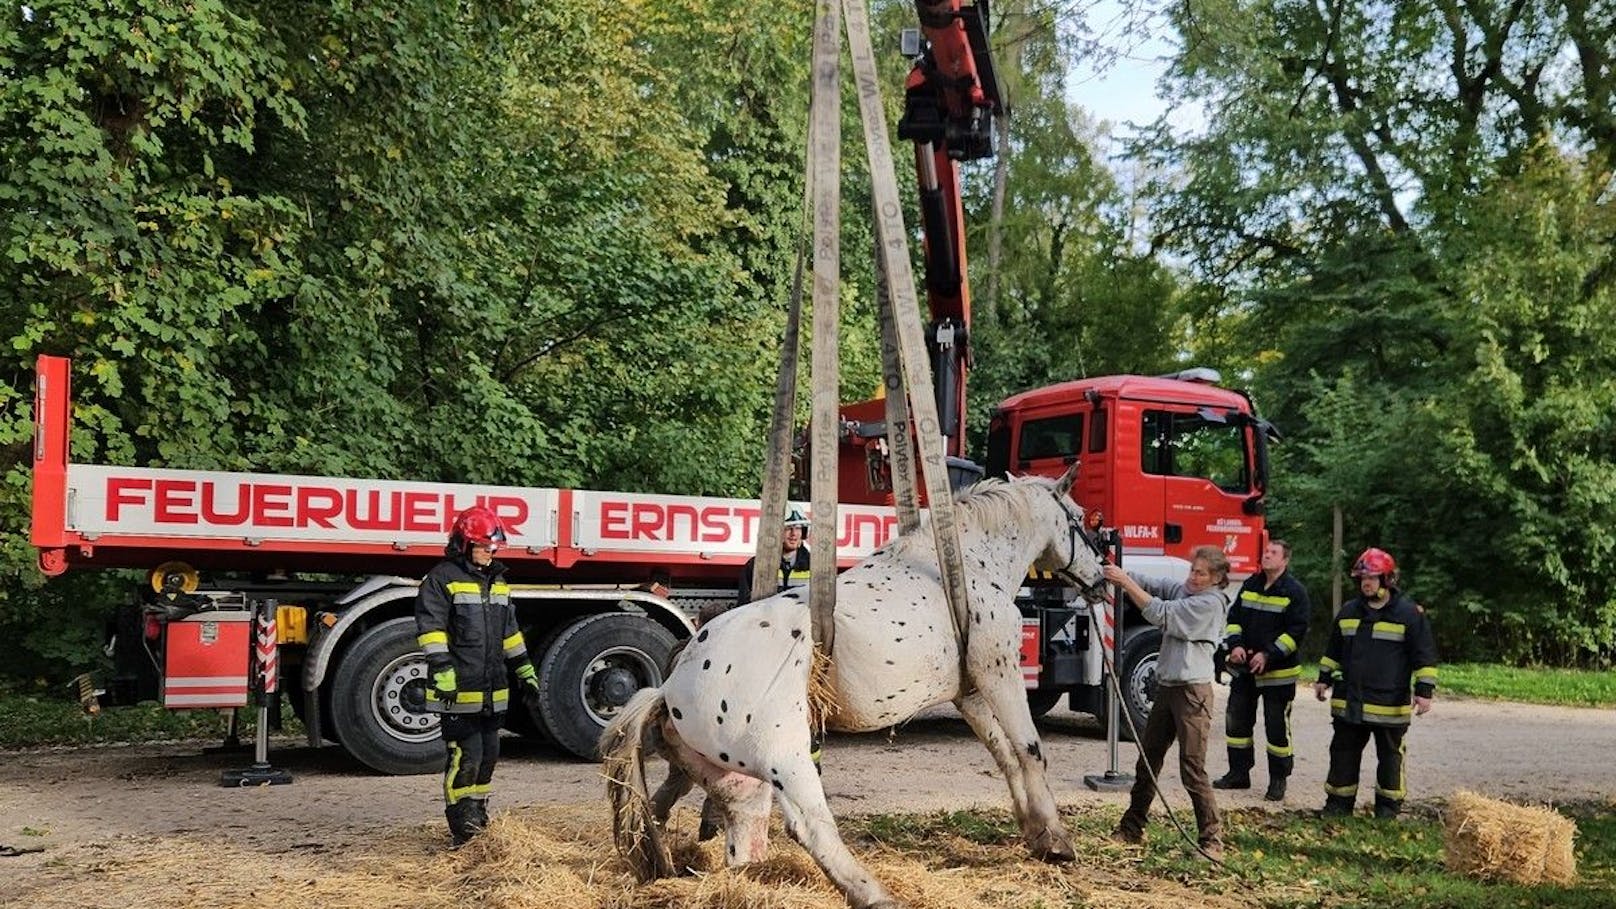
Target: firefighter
{"points": [[467, 628], [1380, 641], [793, 557], [1189, 613], [1266, 627], [793, 573]]}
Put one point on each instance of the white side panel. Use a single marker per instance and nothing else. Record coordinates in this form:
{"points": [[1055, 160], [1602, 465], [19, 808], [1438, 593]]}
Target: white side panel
{"points": [[216, 504], [710, 527]]}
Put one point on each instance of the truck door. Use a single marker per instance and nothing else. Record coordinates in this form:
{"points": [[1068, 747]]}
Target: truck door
{"points": [[1140, 490], [1201, 457]]}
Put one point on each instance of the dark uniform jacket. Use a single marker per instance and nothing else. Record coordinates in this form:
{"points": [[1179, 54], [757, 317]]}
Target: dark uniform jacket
{"points": [[793, 573], [1371, 657], [464, 619], [1271, 619]]}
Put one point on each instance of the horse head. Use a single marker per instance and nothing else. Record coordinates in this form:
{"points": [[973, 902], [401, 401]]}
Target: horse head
{"points": [[1072, 553]]}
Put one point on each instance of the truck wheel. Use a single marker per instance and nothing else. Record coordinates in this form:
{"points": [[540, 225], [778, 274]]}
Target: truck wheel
{"points": [[368, 698], [519, 719], [1042, 700], [590, 671], [1140, 650]]}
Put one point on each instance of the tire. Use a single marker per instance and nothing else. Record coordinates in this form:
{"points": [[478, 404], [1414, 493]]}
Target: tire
{"points": [[519, 719], [1042, 700], [591, 669], [367, 704], [1140, 652]]}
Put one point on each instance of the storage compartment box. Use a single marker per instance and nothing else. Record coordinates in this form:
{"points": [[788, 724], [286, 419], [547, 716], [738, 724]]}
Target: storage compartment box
{"points": [[207, 660]]}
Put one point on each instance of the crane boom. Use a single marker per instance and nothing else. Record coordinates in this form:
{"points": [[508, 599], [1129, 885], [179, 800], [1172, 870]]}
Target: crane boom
{"points": [[951, 97]]}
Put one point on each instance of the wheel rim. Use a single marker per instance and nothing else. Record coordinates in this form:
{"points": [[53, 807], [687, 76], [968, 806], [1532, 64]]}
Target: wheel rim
{"points": [[1142, 685], [612, 678], [387, 701]]}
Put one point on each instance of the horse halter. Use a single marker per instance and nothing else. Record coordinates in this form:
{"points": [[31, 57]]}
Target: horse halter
{"points": [[1074, 525]]}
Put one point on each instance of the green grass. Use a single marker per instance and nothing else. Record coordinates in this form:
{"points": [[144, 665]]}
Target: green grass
{"points": [[1287, 860], [1566, 687], [1561, 687], [28, 721]]}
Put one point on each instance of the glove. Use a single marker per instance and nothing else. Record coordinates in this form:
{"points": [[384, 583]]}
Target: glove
{"points": [[528, 681], [443, 685]]}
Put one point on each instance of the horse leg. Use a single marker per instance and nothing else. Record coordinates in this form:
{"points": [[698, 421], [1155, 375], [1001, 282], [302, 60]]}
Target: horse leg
{"points": [[980, 718], [809, 822], [1006, 697], [739, 801], [745, 803], [672, 790]]}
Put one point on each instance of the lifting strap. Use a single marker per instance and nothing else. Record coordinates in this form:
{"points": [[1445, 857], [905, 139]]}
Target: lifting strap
{"points": [[777, 463], [906, 367], [825, 165], [900, 443], [905, 318]]}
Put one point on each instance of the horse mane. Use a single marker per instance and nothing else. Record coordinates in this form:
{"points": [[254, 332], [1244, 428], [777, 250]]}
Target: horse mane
{"points": [[990, 505]]}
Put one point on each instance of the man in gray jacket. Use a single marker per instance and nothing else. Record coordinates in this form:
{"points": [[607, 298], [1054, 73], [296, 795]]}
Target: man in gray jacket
{"points": [[1190, 614]]}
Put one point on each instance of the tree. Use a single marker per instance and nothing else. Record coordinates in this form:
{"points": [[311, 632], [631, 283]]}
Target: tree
{"points": [[411, 240], [1399, 207]]}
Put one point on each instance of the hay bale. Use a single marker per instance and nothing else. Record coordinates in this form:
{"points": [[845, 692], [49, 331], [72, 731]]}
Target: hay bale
{"points": [[1493, 840]]}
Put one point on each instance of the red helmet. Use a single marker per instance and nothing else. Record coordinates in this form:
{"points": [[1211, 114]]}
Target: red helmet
{"points": [[477, 526], [1374, 562]]}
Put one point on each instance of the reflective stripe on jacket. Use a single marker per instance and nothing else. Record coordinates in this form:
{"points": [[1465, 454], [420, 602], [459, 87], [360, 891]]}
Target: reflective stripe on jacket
{"points": [[1375, 657], [1271, 619], [464, 620]]}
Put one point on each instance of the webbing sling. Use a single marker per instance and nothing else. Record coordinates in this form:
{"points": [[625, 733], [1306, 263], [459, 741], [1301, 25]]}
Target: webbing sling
{"points": [[900, 444], [906, 318], [777, 463], [825, 165]]}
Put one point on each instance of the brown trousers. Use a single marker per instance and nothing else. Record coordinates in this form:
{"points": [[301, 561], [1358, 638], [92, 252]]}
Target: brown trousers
{"points": [[1183, 712]]}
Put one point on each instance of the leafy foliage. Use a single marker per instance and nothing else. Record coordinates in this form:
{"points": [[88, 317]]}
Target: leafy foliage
{"points": [[406, 241], [1402, 213], [550, 244]]}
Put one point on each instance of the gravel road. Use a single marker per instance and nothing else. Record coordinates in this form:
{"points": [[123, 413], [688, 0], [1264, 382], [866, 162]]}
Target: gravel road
{"points": [[52, 798]]}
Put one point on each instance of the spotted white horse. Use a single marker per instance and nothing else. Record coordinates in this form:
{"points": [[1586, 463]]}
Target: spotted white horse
{"points": [[733, 714]]}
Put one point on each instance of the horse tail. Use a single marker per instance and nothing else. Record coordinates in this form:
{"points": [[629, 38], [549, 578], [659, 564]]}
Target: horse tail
{"points": [[635, 831]]}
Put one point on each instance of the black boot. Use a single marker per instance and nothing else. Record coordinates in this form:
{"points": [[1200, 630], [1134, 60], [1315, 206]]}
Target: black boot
{"points": [[1232, 780], [1336, 806], [711, 819], [459, 816], [476, 815], [1387, 809], [1276, 789]]}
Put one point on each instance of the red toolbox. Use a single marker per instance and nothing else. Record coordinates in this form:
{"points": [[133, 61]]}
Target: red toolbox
{"points": [[207, 660]]}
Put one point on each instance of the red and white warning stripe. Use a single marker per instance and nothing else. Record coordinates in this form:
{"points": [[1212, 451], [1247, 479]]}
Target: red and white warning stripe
{"points": [[269, 654], [1104, 615]]}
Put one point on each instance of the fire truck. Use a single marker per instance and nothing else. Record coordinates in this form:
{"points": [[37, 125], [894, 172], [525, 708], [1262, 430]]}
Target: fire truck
{"points": [[606, 583]]}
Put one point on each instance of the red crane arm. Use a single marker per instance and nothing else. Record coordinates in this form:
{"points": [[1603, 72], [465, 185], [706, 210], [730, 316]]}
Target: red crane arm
{"points": [[950, 98]]}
